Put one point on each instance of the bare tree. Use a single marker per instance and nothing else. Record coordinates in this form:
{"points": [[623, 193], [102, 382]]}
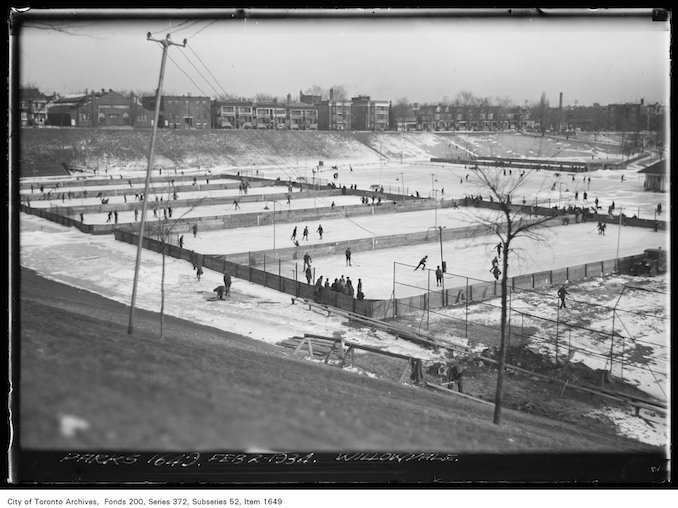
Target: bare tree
{"points": [[542, 112], [340, 92], [166, 228], [317, 90], [507, 223], [401, 111]]}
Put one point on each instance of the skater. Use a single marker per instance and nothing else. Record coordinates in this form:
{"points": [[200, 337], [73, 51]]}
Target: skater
{"points": [[198, 273], [498, 247], [304, 236], [320, 231], [110, 215], [561, 294], [288, 199], [596, 202], [576, 195], [195, 230], [115, 215], [181, 242], [656, 226], [659, 209], [294, 234], [496, 272], [585, 196], [439, 276], [422, 263], [307, 260], [348, 256], [495, 262], [227, 283], [169, 211], [236, 205], [309, 275], [82, 218], [622, 178], [359, 292], [612, 206], [332, 205]]}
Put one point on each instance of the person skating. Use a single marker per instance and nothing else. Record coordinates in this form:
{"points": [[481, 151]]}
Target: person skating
{"points": [[495, 262], [348, 256], [307, 260], [236, 205], [439, 276], [198, 273], [561, 294], [304, 235], [110, 214], [496, 272], [498, 247], [422, 263], [136, 215], [320, 231], [309, 274], [195, 230], [294, 234], [181, 242], [82, 217]]}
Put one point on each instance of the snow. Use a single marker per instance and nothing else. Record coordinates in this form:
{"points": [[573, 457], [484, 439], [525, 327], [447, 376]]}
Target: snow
{"points": [[104, 266]]}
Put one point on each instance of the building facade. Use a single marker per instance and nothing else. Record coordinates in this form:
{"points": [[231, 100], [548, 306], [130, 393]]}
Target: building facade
{"points": [[32, 107], [182, 111]]}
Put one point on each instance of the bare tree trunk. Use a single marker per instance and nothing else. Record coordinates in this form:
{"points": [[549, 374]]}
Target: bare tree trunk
{"points": [[502, 344]]}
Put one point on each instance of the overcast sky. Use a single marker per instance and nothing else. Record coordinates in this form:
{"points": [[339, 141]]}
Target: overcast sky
{"points": [[588, 59]]}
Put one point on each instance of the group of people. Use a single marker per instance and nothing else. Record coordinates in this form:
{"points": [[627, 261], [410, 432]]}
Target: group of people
{"points": [[340, 285], [304, 235]]}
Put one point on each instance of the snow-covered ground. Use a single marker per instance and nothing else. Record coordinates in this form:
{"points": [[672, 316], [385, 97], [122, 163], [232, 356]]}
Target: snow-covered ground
{"points": [[102, 265]]}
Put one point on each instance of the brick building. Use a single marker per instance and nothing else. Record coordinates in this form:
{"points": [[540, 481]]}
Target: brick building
{"points": [[182, 111]]}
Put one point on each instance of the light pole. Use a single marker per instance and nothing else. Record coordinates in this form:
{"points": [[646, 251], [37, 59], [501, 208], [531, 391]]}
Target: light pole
{"points": [[402, 180]]}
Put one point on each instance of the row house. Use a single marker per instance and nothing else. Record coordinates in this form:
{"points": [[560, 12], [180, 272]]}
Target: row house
{"points": [[32, 107], [270, 115], [239, 114], [234, 114], [182, 111]]}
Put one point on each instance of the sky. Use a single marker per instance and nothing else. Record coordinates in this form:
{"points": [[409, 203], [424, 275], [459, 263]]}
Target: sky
{"points": [[589, 59]]}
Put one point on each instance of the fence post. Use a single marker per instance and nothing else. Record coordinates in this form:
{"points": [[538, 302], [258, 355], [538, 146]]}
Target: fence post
{"points": [[466, 303], [557, 327], [280, 275]]}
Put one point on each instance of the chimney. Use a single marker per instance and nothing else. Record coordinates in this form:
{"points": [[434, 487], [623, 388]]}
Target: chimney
{"points": [[289, 99], [331, 94], [301, 94], [560, 103]]}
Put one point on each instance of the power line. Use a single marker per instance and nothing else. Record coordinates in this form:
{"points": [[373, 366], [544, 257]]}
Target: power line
{"points": [[205, 66], [196, 33], [200, 73], [189, 77]]}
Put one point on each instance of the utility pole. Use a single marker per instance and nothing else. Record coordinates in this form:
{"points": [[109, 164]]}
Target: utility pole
{"points": [[166, 43]]}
